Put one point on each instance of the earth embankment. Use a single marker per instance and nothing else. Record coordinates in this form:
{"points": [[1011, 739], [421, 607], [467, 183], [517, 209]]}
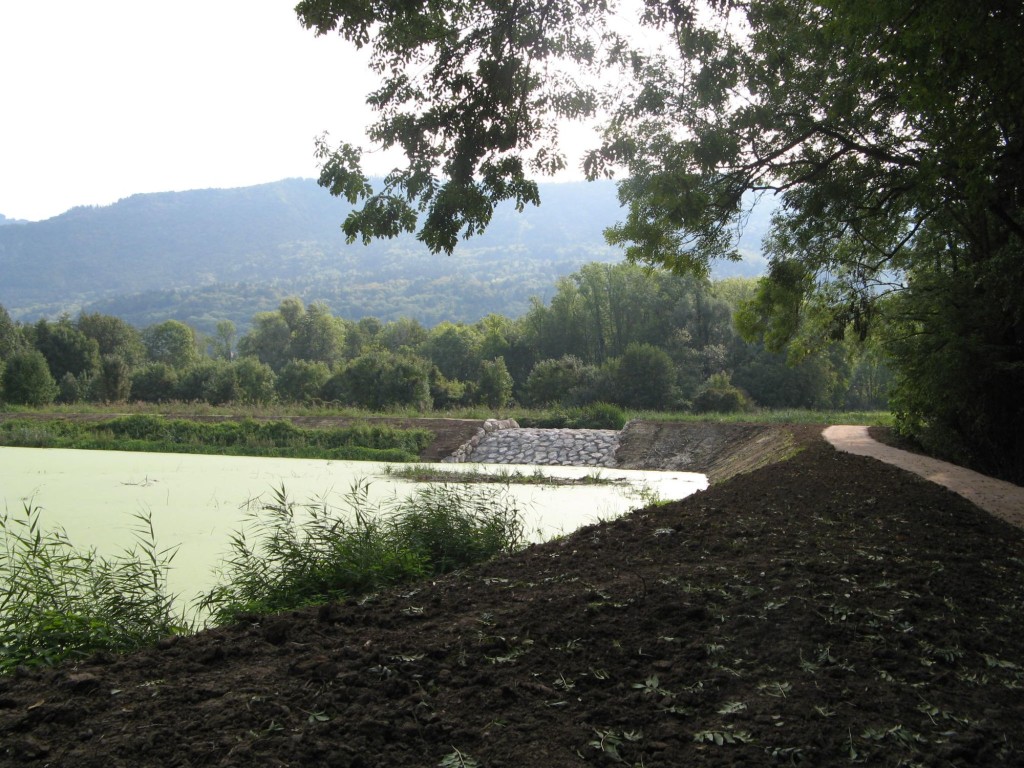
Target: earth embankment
{"points": [[717, 450]]}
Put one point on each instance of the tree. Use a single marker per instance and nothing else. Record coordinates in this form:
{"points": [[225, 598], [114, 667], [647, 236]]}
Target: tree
{"points": [[223, 343], [891, 133], [27, 379], [113, 336], [643, 377], [494, 383], [268, 340], [400, 335], [171, 342], [455, 349], [255, 381], [380, 379], [66, 349], [301, 381], [559, 381], [318, 336], [208, 381], [155, 383], [10, 338], [112, 382], [718, 395]]}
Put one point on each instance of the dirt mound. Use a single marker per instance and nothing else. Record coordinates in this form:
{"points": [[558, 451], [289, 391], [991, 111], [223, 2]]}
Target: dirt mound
{"points": [[821, 611]]}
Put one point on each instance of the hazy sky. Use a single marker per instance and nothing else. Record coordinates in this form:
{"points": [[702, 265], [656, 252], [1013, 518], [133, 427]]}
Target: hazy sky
{"points": [[105, 98]]}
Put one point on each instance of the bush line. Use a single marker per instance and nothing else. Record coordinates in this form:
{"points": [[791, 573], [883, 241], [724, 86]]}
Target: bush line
{"points": [[248, 437]]}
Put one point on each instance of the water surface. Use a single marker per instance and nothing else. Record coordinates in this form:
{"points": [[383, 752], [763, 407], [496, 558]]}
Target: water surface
{"points": [[197, 502]]}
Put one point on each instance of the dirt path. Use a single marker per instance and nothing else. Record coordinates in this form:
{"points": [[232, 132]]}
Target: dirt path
{"points": [[1000, 498]]}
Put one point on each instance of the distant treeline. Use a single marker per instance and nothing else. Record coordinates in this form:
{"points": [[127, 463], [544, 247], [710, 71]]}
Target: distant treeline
{"points": [[621, 334]]}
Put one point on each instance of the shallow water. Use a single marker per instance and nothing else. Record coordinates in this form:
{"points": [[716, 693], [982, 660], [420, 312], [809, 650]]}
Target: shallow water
{"points": [[197, 502]]}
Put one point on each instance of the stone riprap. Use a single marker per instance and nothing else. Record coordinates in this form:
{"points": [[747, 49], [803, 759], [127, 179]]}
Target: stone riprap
{"points": [[505, 442]]}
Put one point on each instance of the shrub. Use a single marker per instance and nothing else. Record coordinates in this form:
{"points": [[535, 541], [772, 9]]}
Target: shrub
{"points": [[27, 379], [601, 416], [379, 379], [154, 383], [301, 381], [718, 395], [560, 381]]}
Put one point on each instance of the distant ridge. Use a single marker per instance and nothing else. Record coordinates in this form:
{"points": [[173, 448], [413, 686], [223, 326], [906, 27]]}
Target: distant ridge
{"points": [[4, 220], [206, 255]]}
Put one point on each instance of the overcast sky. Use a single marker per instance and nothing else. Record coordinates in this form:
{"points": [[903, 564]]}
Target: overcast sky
{"points": [[102, 99]]}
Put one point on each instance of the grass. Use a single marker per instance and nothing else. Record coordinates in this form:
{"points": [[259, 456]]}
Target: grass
{"points": [[425, 473], [58, 602], [787, 416]]}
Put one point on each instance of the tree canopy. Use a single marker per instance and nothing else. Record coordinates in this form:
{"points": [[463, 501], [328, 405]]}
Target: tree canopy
{"points": [[891, 132]]}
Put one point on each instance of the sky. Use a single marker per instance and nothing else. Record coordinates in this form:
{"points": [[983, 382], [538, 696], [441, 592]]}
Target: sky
{"points": [[102, 99]]}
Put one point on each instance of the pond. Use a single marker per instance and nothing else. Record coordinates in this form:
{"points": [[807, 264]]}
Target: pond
{"points": [[197, 502]]}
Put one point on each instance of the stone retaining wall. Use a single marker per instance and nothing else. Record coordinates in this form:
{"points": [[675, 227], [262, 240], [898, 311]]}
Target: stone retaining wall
{"points": [[462, 454]]}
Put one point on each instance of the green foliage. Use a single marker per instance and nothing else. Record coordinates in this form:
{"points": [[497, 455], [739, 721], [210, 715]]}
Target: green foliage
{"points": [[154, 383], [444, 392], [643, 377], [70, 389], [113, 336], [601, 416], [171, 342], [112, 382], [720, 396], [147, 432], [58, 602], [960, 324], [563, 381], [294, 555], [455, 348], [379, 380], [255, 381], [590, 416], [10, 338], [890, 132], [302, 381], [66, 349], [206, 380], [27, 379], [494, 384]]}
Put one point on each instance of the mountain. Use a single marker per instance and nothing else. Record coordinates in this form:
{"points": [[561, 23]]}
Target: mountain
{"points": [[207, 255]]}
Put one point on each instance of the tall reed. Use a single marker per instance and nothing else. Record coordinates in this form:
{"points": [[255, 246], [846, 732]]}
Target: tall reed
{"points": [[299, 554], [59, 602]]}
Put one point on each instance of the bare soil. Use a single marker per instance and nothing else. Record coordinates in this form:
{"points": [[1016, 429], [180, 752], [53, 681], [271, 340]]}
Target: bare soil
{"points": [[823, 610]]}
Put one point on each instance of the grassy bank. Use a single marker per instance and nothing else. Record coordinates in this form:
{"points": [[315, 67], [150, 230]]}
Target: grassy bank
{"points": [[156, 433], [425, 473], [787, 416]]}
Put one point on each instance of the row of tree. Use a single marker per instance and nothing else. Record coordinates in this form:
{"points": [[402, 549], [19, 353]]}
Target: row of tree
{"points": [[612, 333]]}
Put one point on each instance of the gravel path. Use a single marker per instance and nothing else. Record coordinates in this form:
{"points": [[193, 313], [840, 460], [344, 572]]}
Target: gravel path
{"points": [[997, 497]]}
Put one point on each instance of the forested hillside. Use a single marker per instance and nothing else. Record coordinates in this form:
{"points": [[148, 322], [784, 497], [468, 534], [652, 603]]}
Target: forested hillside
{"points": [[208, 255]]}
